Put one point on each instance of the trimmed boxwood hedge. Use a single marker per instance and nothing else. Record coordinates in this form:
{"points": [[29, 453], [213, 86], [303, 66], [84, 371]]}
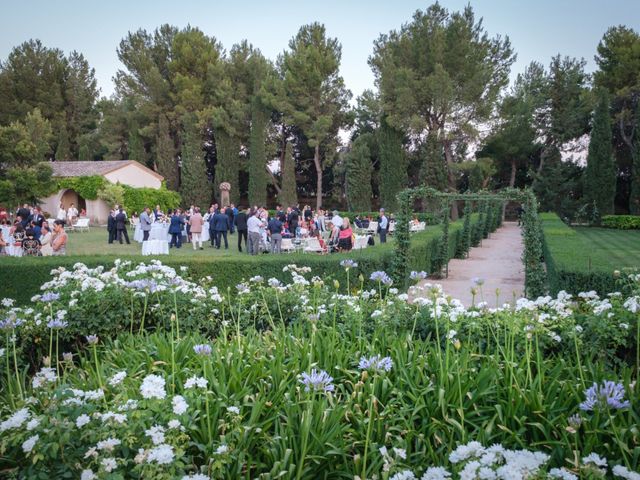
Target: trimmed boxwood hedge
{"points": [[20, 278], [564, 253], [621, 222]]}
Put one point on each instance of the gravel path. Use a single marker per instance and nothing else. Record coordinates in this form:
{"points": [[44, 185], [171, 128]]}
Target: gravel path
{"points": [[498, 261]]}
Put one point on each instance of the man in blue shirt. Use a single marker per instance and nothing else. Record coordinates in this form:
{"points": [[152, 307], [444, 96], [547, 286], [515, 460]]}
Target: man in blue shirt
{"points": [[275, 231], [383, 226]]}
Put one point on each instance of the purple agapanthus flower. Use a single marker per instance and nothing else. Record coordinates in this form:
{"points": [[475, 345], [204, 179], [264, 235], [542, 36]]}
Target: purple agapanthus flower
{"points": [[348, 263], [317, 381], [10, 323], [49, 297], [203, 350], [376, 363], [56, 323], [418, 275], [381, 277], [607, 395]]}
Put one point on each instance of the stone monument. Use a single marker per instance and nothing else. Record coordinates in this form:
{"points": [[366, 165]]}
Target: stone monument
{"points": [[224, 193]]}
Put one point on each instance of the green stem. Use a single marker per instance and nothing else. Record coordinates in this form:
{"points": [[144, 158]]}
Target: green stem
{"points": [[369, 427], [15, 364], [206, 400], [57, 353], [175, 306], [306, 426], [131, 329], [575, 341], [7, 354], [144, 313]]}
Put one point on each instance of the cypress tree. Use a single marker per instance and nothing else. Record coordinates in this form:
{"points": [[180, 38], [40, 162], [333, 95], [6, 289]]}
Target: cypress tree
{"points": [[358, 175], [600, 175], [228, 163], [194, 187], [257, 155], [63, 150], [289, 193], [166, 154], [393, 165], [83, 152], [135, 146], [634, 197], [433, 171]]}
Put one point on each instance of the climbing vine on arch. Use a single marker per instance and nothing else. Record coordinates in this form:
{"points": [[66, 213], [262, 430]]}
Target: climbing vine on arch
{"points": [[535, 277]]}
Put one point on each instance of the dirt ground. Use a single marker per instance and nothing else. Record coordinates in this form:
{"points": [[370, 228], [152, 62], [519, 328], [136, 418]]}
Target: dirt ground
{"points": [[498, 261]]}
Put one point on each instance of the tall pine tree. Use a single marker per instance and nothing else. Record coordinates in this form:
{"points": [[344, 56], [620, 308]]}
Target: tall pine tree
{"points": [[393, 165], [228, 164], [634, 197], [257, 155], [166, 154], [289, 193], [194, 187], [433, 171], [358, 174], [135, 147], [600, 176], [63, 150]]}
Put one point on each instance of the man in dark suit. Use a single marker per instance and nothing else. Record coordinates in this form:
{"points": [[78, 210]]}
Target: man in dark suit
{"points": [[111, 226], [36, 219], [292, 220], [241, 225], [229, 213], [24, 213], [220, 227], [121, 226], [175, 229]]}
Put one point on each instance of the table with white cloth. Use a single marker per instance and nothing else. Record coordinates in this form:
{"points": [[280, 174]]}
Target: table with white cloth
{"points": [[159, 231], [11, 249], [155, 247], [204, 236]]}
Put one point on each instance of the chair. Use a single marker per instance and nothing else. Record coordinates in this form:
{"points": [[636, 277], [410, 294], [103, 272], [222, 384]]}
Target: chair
{"points": [[361, 242], [313, 245], [82, 224], [392, 228], [287, 245], [373, 228]]}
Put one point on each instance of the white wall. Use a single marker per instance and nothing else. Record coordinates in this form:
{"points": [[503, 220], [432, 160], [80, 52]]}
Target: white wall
{"points": [[134, 176]]}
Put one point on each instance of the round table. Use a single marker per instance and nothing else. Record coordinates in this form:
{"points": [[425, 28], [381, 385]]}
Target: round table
{"points": [[159, 231], [155, 247]]}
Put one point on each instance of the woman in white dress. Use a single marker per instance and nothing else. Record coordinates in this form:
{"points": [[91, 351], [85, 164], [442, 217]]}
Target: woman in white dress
{"points": [[72, 215], [62, 213]]}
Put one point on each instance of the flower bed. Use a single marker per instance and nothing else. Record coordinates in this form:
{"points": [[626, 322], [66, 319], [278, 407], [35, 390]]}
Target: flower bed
{"points": [[296, 380]]}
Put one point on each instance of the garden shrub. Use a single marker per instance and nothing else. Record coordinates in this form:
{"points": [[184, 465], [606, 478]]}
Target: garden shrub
{"points": [[621, 222]]}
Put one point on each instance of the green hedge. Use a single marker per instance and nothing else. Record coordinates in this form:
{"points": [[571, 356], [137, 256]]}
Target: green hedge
{"points": [[86, 187], [621, 222], [567, 265], [21, 278], [135, 199]]}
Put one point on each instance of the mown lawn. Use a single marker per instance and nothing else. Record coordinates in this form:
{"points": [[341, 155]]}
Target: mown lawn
{"points": [[608, 249]]}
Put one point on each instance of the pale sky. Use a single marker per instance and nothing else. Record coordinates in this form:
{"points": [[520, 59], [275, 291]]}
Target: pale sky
{"points": [[538, 29]]}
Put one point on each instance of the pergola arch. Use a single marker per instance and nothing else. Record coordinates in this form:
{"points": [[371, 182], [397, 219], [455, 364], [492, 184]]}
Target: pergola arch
{"points": [[535, 277]]}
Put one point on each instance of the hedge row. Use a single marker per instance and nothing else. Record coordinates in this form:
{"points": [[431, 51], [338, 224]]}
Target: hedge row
{"points": [[621, 222], [564, 254], [20, 278]]}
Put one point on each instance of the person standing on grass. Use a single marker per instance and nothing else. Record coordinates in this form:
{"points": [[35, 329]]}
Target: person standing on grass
{"points": [[220, 227], [111, 225], [275, 232], [121, 226], [145, 223], [230, 215], [383, 226], [175, 229], [196, 222], [59, 238], [241, 225], [253, 229]]}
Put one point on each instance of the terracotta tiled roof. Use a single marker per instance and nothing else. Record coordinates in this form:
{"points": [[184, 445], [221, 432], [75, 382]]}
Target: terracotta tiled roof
{"points": [[88, 168]]}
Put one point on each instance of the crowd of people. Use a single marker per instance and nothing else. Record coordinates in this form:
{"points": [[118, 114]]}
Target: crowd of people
{"points": [[257, 229], [29, 233]]}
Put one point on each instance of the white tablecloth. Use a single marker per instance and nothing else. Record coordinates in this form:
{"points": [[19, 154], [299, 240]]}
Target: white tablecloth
{"points": [[159, 231], [13, 251], [155, 247], [205, 232]]}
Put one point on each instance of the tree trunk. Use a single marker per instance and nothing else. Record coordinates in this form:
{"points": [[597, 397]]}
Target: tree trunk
{"points": [[452, 180], [318, 164], [512, 180]]}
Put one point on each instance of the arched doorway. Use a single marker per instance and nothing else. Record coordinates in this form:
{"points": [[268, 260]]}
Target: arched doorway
{"points": [[69, 196]]}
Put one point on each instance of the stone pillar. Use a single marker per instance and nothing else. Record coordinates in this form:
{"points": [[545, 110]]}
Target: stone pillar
{"points": [[225, 187]]}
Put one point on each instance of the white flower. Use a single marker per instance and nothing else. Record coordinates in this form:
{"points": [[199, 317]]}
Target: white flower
{"points": [[400, 452], [595, 459], [45, 375], [153, 387], [7, 302], [620, 471], [88, 475], [234, 410], [179, 405], [173, 424], [404, 475], [116, 417], [162, 454], [29, 443], [109, 464], [562, 473], [194, 382], [32, 424], [117, 378], [82, 420], [16, 420], [196, 476], [436, 473], [222, 449], [109, 444], [156, 433]]}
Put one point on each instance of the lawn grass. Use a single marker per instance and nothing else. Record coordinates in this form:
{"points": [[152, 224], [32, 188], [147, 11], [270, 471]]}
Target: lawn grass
{"points": [[94, 242], [610, 249]]}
